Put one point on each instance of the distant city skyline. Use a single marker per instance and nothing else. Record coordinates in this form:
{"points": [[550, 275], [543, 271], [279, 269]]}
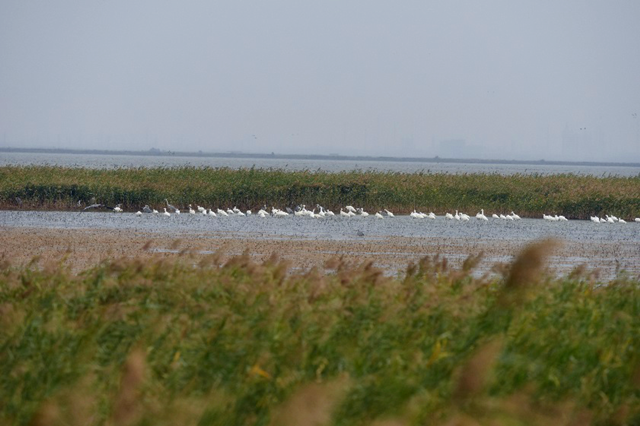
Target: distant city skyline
{"points": [[490, 80]]}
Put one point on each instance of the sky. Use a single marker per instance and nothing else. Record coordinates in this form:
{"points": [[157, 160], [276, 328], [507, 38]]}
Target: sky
{"points": [[528, 80]]}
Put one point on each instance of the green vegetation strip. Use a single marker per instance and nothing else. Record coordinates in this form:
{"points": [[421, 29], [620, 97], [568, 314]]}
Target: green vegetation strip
{"points": [[576, 197], [155, 343]]}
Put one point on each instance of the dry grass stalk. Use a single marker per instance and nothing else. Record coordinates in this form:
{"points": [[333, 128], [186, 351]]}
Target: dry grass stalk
{"points": [[526, 269], [474, 375], [529, 263], [127, 407], [312, 405]]}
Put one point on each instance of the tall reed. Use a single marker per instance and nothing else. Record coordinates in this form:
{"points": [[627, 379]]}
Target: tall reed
{"points": [[43, 187], [166, 342]]}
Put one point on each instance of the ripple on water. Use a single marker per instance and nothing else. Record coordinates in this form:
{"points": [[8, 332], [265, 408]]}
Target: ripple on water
{"points": [[425, 233]]}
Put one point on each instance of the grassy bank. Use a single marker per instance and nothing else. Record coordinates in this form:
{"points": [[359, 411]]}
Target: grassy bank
{"points": [[130, 342], [573, 196]]}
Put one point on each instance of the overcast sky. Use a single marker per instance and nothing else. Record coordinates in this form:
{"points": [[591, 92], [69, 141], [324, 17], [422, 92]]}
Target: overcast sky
{"points": [[557, 79]]}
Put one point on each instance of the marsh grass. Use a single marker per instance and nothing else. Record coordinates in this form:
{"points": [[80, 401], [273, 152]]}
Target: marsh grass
{"points": [[578, 197], [129, 342]]}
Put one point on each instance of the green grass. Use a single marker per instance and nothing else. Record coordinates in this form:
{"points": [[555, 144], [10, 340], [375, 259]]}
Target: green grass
{"points": [[152, 343], [573, 196]]}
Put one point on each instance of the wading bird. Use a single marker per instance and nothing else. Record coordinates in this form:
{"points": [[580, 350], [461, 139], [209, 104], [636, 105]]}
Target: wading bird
{"points": [[171, 207], [481, 215]]}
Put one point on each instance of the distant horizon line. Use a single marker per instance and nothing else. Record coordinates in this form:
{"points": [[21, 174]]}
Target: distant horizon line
{"points": [[154, 152]]}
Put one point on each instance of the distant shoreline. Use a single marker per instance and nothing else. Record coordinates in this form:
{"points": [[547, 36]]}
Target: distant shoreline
{"points": [[330, 157]]}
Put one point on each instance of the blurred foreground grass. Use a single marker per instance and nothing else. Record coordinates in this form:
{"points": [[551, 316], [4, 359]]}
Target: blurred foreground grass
{"points": [[153, 343]]}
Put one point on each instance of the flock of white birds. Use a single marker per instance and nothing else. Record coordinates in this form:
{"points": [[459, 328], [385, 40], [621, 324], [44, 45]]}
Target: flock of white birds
{"points": [[350, 211]]}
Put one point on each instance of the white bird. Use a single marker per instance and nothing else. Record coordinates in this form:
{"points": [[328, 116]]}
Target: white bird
{"points": [[389, 213], [212, 213], [201, 209], [350, 209], [495, 216], [622, 220], [117, 209], [515, 216], [279, 213], [191, 211], [344, 214], [637, 219], [362, 212], [610, 219], [481, 215], [502, 216], [222, 212], [456, 216], [138, 213], [378, 215], [155, 211], [323, 212], [230, 212], [595, 219], [562, 218], [431, 215], [248, 212], [464, 217], [166, 213], [448, 216], [262, 213]]}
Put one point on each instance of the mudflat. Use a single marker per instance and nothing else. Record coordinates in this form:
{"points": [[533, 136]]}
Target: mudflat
{"points": [[83, 248]]}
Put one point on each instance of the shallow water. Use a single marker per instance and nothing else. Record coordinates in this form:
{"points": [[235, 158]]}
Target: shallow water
{"points": [[608, 247], [330, 228]]}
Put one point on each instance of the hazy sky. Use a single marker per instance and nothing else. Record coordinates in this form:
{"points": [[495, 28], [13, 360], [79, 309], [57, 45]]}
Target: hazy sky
{"points": [[556, 79]]}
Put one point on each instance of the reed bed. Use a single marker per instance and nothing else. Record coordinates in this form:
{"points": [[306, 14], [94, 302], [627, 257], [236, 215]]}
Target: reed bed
{"points": [[576, 197], [129, 342]]}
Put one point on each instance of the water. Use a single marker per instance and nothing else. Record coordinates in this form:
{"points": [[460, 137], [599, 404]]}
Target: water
{"points": [[601, 245], [133, 161], [330, 228]]}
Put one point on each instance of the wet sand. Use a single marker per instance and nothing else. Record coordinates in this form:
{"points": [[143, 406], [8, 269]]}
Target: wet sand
{"points": [[85, 248]]}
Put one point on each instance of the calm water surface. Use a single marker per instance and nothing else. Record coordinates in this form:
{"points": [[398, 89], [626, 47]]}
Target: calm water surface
{"points": [[495, 231], [134, 161]]}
